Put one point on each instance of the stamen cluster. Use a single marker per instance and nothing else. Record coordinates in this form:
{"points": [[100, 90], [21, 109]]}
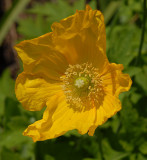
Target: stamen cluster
{"points": [[82, 85]]}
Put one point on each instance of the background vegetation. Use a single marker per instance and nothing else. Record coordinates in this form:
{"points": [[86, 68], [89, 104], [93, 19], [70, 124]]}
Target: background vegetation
{"points": [[124, 136]]}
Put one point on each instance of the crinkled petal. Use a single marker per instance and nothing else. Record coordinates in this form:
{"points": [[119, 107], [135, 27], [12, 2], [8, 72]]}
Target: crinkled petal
{"points": [[40, 58], [114, 80], [33, 92], [32, 50], [109, 107], [59, 118], [81, 37]]}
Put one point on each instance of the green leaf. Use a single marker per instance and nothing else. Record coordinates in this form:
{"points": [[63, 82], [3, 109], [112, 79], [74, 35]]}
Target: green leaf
{"points": [[79, 5], [48, 157], [118, 49], [140, 78], [11, 108], [7, 154], [143, 148], [127, 146], [92, 4], [110, 153], [12, 139], [31, 28], [135, 97], [6, 89], [90, 159], [72, 133], [141, 157], [110, 10], [129, 115], [132, 70]]}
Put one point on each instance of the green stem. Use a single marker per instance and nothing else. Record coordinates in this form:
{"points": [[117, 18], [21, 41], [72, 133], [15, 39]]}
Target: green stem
{"points": [[142, 34]]}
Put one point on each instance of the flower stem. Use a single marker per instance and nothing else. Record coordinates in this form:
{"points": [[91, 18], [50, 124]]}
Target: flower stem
{"points": [[143, 32]]}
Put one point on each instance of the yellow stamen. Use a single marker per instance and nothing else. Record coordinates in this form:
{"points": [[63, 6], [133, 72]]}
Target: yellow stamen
{"points": [[82, 85]]}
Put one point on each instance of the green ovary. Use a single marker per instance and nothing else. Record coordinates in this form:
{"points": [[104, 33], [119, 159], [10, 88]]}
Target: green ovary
{"points": [[81, 83]]}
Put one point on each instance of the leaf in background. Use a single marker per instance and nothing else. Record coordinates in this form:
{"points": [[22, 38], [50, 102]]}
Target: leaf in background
{"points": [[91, 159], [7, 84], [6, 89], [31, 28], [135, 97], [141, 157], [12, 139], [11, 109], [11, 16], [8, 154], [129, 115], [93, 4], [141, 79], [46, 14], [132, 70], [118, 49], [110, 10], [111, 154], [130, 12], [48, 157], [143, 148], [72, 133]]}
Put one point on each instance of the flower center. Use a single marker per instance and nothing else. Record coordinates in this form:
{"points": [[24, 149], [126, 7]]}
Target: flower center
{"points": [[82, 85]]}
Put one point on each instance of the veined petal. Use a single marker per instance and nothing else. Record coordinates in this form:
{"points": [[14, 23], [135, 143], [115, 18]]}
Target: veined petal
{"points": [[114, 80], [33, 92], [81, 37], [59, 118], [40, 58], [31, 50], [108, 107]]}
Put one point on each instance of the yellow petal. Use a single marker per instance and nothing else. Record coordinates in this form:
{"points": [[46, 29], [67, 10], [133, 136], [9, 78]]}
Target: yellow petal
{"points": [[114, 80], [40, 58], [59, 118], [108, 107], [31, 50], [33, 92], [81, 37]]}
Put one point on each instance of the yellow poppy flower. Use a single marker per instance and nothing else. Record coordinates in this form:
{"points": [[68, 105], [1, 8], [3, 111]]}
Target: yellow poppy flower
{"points": [[67, 71]]}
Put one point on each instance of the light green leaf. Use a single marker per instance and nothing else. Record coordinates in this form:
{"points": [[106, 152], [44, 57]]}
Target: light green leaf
{"points": [[110, 10], [6, 89], [118, 50], [143, 148], [132, 70], [111, 154]]}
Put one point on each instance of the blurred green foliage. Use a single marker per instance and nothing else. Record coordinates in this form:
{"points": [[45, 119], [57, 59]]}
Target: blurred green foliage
{"points": [[124, 136], [10, 16]]}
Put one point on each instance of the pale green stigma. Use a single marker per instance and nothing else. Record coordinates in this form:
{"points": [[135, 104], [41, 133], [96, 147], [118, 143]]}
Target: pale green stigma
{"points": [[81, 83]]}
